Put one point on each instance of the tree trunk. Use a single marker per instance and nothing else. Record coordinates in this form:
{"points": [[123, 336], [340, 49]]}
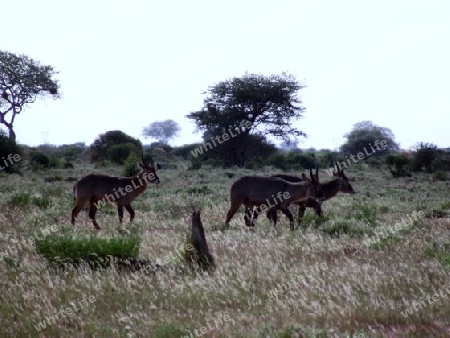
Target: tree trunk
{"points": [[12, 134]]}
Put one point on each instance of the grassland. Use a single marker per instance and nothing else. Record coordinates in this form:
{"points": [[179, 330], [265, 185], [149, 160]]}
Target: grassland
{"points": [[362, 288]]}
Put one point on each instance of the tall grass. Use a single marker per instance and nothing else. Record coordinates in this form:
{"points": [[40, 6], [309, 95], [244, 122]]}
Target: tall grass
{"points": [[363, 291]]}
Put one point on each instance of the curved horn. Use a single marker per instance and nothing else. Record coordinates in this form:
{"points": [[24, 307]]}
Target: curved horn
{"points": [[310, 174], [143, 160], [149, 164]]}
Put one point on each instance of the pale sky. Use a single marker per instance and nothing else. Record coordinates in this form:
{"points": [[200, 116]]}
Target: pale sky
{"points": [[123, 65]]}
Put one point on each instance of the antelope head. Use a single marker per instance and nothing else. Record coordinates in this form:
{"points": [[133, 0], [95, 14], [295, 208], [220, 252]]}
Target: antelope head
{"points": [[345, 185], [148, 170]]}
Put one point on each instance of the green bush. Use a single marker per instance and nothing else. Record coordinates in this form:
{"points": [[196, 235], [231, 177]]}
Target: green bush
{"points": [[130, 169], [440, 175], [42, 203], [196, 163], [96, 252], [39, 161], [293, 160], [184, 151], [344, 227], [363, 213], [168, 330], [8, 147], [398, 165], [327, 158], [104, 147], [55, 162], [20, 200], [424, 156], [119, 153], [278, 161]]}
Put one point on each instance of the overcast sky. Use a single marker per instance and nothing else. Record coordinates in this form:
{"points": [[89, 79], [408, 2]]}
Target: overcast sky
{"points": [[123, 65]]}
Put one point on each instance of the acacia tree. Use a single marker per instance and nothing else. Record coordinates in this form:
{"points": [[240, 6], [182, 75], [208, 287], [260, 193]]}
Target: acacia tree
{"points": [[163, 131], [22, 80], [267, 104], [365, 133]]}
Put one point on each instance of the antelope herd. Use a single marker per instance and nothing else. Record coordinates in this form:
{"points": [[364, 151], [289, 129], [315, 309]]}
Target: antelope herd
{"points": [[272, 193]]}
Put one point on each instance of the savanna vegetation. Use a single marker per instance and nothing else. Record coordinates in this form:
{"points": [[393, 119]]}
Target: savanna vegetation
{"points": [[379, 264], [362, 287]]}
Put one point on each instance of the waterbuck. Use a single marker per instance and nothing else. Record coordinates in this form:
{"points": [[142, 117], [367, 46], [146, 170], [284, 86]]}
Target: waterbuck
{"points": [[270, 193], [340, 184], [100, 189]]}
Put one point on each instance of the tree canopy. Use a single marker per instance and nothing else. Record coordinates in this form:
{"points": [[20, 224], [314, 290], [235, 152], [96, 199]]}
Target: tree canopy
{"points": [[163, 131], [364, 134], [22, 80], [115, 146], [250, 105]]}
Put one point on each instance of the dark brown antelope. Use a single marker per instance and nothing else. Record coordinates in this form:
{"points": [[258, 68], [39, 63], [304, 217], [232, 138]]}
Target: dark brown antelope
{"points": [[270, 193], [340, 184], [100, 189]]}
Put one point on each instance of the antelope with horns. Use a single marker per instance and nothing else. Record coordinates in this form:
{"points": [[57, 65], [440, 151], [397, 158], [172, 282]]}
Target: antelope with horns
{"points": [[341, 183], [270, 193], [100, 189]]}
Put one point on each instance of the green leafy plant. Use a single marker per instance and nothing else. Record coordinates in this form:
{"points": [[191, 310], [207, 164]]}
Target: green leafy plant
{"points": [[96, 252]]}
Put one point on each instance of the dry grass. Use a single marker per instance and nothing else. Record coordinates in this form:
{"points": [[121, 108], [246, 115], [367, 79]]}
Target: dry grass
{"points": [[362, 291]]}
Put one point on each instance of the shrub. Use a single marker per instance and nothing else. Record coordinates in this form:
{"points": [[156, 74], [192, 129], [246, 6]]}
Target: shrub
{"points": [[293, 160], [398, 165], [424, 157], [344, 227], [8, 147], [196, 163], [184, 151], [42, 203], [440, 175], [54, 162], [100, 150], [278, 161], [120, 152], [94, 251], [130, 169], [326, 160], [39, 160], [364, 213], [20, 200]]}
